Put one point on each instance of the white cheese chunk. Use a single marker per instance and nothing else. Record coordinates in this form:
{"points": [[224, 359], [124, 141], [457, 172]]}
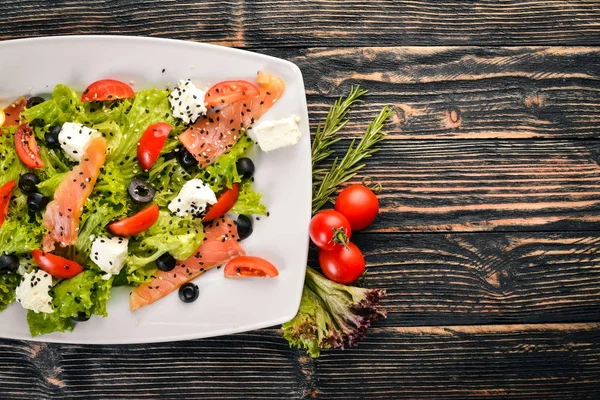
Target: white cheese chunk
{"points": [[109, 253], [277, 134], [187, 101], [192, 199], [74, 138], [33, 291]]}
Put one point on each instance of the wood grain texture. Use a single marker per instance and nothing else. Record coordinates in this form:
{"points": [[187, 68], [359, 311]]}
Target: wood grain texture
{"points": [[459, 92], [450, 279], [301, 23], [486, 185], [547, 361]]}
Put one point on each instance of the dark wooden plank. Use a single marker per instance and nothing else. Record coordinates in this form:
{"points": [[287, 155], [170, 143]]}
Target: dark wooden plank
{"points": [[486, 185], [303, 23], [459, 92], [449, 279], [548, 361]]}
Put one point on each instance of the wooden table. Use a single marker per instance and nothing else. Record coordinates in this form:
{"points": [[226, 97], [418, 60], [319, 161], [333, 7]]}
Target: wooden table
{"points": [[488, 238]]}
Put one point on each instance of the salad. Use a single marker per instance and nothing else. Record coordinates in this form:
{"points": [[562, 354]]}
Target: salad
{"points": [[113, 187]]}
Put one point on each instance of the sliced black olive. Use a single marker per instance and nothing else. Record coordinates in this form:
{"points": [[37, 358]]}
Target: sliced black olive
{"points": [[166, 262], [244, 226], [188, 292], [245, 167], [81, 317], [36, 201], [140, 191], [34, 101], [51, 137], [186, 159], [8, 262], [28, 182]]}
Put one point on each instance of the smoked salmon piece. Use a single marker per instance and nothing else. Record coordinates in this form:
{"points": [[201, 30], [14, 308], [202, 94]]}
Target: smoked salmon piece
{"points": [[220, 245], [61, 217], [216, 132]]}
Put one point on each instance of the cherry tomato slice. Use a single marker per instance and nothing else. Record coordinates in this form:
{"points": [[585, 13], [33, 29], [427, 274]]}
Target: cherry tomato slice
{"points": [[58, 267], [227, 92], [224, 203], [5, 193], [27, 148], [151, 144], [137, 223], [246, 266], [12, 113], [107, 89]]}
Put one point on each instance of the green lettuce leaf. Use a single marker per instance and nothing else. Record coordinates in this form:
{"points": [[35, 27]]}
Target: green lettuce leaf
{"points": [[8, 284], [170, 234], [223, 172], [109, 202], [167, 177], [86, 293], [10, 165], [249, 201], [20, 233]]}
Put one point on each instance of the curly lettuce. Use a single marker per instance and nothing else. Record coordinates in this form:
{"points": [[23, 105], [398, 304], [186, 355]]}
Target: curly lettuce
{"points": [[8, 284], [249, 201], [178, 236], [83, 295]]}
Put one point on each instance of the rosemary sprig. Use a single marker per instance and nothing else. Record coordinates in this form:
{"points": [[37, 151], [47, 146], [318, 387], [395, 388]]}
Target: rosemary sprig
{"points": [[326, 132], [348, 167]]}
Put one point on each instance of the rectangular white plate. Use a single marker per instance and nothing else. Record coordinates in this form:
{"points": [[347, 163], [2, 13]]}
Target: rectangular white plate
{"points": [[225, 306]]}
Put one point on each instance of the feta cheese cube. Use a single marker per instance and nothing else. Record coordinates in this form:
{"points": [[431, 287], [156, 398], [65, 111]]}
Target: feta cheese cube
{"points": [[187, 101], [33, 291], [74, 138], [192, 199], [277, 134], [109, 253]]}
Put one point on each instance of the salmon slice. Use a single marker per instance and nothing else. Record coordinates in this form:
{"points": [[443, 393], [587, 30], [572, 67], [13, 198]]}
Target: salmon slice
{"points": [[220, 245], [62, 214], [217, 131], [13, 112]]}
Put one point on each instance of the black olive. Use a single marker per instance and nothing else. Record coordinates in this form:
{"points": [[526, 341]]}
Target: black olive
{"points": [[81, 317], [51, 137], [244, 226], [8, 262], [166, 262], [186, 159], [36, 201], [28, 182], [245, 167], [188, 292], [140, 191], [34, 101]]}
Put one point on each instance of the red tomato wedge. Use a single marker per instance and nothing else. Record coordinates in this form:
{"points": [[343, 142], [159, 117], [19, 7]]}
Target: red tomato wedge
{"points": [[107, 89], [58, 267], [246, 266], [228, 92], [224, 203], [151, 143], [137, 223], [13, 112], [5, 193], [220, 246], [27, 148], [62, 214], [216, 132]]}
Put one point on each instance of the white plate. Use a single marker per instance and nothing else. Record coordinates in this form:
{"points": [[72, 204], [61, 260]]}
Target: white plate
{"points": [[225, 306]]}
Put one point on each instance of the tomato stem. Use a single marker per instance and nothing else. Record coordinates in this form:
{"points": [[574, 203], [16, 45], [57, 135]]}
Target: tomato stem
{"points": [[369, 183], [339, 237]]}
